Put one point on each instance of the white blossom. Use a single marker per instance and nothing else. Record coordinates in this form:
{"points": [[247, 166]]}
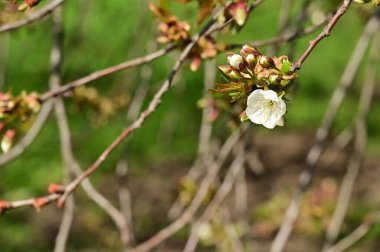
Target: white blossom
{"points": [[235, 60], [265, 107]]}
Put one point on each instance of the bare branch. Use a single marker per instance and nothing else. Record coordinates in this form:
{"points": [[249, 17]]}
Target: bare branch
{"points": [[105, 72], [55, 80]]}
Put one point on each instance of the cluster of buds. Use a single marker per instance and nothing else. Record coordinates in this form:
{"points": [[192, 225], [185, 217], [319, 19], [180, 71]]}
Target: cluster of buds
{"points": [[13, 108], [250, 70], [174, 31], [264, 80], [22, 106]]}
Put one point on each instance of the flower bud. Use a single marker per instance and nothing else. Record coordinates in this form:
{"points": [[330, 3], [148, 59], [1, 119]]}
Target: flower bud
{"points": [[239, 12], [56, 188], [225, 69], [249, 58], [243, 116], [275, 78], [7, 140], [247, 49], [266, 61], [235, 75], [235, 60]]}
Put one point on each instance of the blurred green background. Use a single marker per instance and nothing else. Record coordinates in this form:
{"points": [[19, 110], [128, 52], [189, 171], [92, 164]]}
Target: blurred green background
{"points": [[98, 34]]}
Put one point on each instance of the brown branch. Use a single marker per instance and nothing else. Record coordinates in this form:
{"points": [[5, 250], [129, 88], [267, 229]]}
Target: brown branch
{"points": [[288, 37], [322, 134], [105, 72], [37, 203], [325, 33], [54, 82], [33, 17]]}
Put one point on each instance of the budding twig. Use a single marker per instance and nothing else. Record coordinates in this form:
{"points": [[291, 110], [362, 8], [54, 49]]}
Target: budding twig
{"points": [[325, 33]]}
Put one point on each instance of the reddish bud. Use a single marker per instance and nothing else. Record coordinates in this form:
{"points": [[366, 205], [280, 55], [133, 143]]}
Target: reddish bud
{"points": [[32, 3], [195, 64], [7, 140], [239, 12], [56, 189], [39, 203], [243, 116]]}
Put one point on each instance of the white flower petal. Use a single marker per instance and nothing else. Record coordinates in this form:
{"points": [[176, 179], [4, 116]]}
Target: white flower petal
{"points": [[265, 107]]}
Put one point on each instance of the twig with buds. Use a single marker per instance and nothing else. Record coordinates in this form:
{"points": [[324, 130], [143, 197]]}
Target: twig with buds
{"points": [[325, 33]]}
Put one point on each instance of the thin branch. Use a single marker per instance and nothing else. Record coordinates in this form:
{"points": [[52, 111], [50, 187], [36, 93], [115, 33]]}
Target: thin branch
{"points": [[288, 37], [325, 33], [37, 203], [64, 228], [322, 134], [33, 17], [105, 72], [356, 235], [54, 82], [360, 144]]}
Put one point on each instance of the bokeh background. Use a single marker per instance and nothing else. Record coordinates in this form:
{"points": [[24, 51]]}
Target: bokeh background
{"points": [[98, 34]]}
